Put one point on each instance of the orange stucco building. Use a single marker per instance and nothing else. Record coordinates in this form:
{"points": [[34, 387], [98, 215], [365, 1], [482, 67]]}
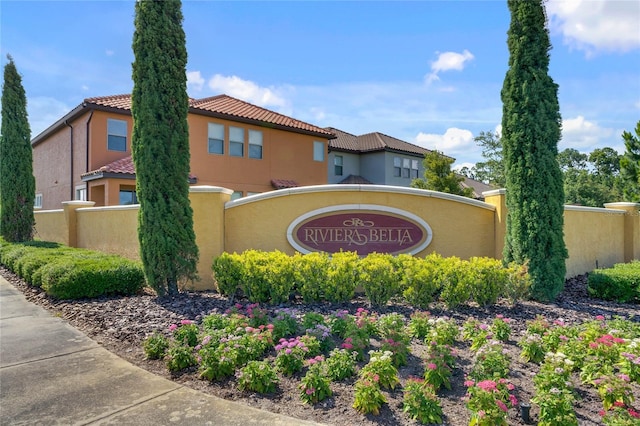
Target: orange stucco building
{"points": [[86, 155]]}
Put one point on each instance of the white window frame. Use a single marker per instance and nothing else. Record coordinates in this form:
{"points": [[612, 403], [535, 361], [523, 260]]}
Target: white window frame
{"points": [[415, 167], [112, 123], [318, 151], [397, 167], [81, 192], [215, 136], [37, 201], [406, 168], [255, 144], [236, 138], [338, 165]]}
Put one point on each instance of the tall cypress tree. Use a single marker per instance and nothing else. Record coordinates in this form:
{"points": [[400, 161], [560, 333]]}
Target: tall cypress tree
{"points": [[17, 184], [160, 140], [531, 126]]}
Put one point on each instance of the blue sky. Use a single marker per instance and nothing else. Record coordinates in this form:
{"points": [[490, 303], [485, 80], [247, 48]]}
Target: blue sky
{"points": [[427, 72]]}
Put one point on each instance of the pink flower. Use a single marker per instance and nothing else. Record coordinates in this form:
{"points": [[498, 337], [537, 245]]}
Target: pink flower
{"points": [[469, 383], [376, 378], [173, 327], [287, 351], [510, 386], [432, 366], [487, 385], [501, 405], [310, 391], [600, 317], [186, 322], [513, 399], [633, 413], [346, 345]]}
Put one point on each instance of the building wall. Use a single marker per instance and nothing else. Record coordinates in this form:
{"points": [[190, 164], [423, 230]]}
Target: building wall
{"points": [[285, 155], [350, 166]]}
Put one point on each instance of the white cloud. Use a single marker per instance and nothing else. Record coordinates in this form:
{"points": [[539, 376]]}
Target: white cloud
{"points": [[448, 61], [109, 52], [452, 140], [195, 80], [584, 135], [247, 90], [596, 25]]}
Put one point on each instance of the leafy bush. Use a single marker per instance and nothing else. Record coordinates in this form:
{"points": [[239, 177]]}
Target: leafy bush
{"points": [[70, 273], [76, 278], [620, 283], [227, 272], [378, 278], [421, 279], [258, 376], [155, 346], [311, 275], [342, 277]]}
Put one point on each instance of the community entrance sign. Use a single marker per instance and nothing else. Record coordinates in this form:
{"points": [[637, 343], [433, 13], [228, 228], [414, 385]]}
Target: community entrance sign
{"points": [[364, 228]]}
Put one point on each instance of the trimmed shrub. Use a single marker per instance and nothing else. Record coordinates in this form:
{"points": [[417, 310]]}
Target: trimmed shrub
{"points": [[77, 277], [379, 278], [342, 276], [421, 279], [311, 275], [227, 273], [620, 283]]}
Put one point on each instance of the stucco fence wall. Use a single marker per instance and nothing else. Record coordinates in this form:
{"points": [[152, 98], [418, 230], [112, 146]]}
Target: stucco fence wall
{"points": [[460, 226]]}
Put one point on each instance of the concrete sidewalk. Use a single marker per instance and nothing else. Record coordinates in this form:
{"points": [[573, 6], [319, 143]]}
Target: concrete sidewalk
{"points": [[51, 373]]}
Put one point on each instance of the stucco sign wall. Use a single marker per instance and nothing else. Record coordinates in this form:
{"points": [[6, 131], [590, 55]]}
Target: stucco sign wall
{"points": [[364, 228]]}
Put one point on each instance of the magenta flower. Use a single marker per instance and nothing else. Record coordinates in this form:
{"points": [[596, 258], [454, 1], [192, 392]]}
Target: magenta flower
{"points": [[501, 405], [432, 366], [186, 322], [173, 327]]}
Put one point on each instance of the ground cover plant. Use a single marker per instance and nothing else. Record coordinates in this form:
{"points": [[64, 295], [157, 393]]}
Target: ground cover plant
{"points": [[575, 361]]}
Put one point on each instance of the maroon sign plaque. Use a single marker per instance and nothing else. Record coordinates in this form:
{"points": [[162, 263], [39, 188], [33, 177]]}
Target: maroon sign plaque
{"points": [[364, 229]]}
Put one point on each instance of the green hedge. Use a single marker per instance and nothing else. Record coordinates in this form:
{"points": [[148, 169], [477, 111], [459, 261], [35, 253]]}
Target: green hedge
{"points": [[274, 277], [70, 273], [620, 283]]}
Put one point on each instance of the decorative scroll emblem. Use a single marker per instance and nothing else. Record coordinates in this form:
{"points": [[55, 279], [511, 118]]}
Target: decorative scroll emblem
{"points": [[361, 228]]}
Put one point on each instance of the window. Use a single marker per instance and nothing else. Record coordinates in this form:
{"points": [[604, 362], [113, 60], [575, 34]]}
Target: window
{"points": [[318, 151], [236, 195], [397, 166], [81, 192], [337, 165], [116, 135], [127, 197], [255, 144], [37, 202], [406, 164], [414, 169], [216, 139], [236, 141]]}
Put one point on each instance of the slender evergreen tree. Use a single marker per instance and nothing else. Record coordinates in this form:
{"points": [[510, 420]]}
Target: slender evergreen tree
{"points": [[160, 140], [17, 184], [531, 130]]}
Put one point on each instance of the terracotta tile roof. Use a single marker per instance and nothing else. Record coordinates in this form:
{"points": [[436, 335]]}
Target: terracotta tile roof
{"points": [[227, 105], [122, 166], [355, 179], [283, 183], [343, 140], [224, 105], [115, 101], [370, 142]]}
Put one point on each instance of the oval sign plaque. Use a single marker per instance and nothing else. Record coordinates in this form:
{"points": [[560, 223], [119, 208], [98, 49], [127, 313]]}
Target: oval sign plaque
{"points": [[361, 228]]}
